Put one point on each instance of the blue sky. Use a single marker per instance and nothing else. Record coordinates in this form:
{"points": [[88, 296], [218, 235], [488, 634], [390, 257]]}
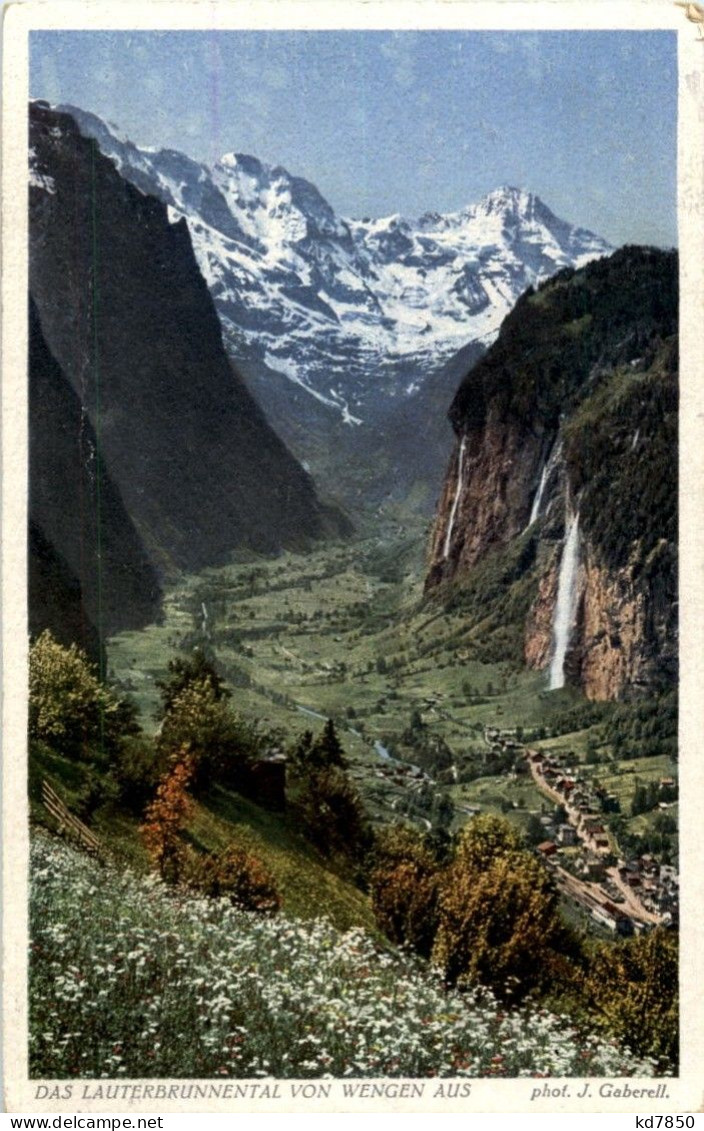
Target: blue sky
{"points": [[404, 121]]}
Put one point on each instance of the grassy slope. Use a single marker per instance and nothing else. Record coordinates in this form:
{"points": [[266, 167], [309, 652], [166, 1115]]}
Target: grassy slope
{"points": [[308, 885], [190, 989]]}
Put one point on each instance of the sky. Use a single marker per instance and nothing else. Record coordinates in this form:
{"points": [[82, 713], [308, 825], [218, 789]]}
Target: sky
{"points": [[402, 121]]}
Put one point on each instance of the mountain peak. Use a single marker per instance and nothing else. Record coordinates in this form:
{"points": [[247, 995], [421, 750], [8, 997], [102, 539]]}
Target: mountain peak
{"points": [[243, 162], [507, 198], [504, 193]]}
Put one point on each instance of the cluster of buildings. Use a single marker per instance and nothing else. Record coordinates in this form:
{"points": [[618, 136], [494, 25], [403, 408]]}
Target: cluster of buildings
{"points": [[600, 905], [629, 897], [584, 803], [656, 885], [626, 897]]}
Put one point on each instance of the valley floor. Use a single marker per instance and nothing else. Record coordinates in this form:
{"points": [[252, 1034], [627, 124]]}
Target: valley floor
{"points": [[344, 633]]}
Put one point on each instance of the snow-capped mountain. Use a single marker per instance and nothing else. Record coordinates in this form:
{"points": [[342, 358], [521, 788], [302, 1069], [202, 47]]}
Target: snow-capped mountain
{"points": [[189, 466], [352, 311], [352, 334]]}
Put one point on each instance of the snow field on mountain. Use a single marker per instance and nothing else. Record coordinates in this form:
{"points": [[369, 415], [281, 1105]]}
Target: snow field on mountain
{"points": [[313, 291]]}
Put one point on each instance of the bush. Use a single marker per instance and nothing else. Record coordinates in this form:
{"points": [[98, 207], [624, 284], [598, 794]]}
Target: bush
{"points": [[98, 789], [483, 840], [634, 984], [404, 889], [240, 876], [70, 710], [138, 767], [497, 912]]}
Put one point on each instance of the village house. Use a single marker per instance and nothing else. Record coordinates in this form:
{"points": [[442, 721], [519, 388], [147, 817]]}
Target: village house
{"points": [[265, 780], [591, 867], [567, 834], [587, 823], [580, 798], [611, 917]]}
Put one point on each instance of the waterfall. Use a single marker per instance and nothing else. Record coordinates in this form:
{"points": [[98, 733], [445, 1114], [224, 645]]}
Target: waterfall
{"points": [[566, 605], [455, 501], [538, 498], [546, 473]]}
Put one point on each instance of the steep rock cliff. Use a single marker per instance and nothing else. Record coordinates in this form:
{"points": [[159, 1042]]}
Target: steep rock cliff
{"points": [[129, 319], [575, 409], [625, 641], [621, 463], [486, 497], [89, 574], [538, 626], [55, 599]]}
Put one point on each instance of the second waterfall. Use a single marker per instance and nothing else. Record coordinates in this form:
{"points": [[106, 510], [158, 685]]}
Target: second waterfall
{"points": [[455, 501]]}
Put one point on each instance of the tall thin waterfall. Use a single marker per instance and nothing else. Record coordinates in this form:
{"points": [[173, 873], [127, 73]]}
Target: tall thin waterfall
{"points": [[456, 500], [538, 498], [566, 605], [545, 475]]}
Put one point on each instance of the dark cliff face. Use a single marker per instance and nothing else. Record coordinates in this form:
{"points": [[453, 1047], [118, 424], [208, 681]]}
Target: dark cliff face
{"points": [[55, 599], [89, 572], [577, 404], [128, 317]]}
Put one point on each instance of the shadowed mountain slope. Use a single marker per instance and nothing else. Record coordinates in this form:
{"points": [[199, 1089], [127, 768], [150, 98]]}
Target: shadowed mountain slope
{"points": [[89, 572], [129, 319]]}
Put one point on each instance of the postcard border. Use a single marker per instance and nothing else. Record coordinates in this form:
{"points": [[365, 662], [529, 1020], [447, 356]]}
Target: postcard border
{"points": [[684, 1094]]}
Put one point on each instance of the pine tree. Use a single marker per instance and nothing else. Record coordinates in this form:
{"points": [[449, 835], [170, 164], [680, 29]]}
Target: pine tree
{"points": [[329, 748]]}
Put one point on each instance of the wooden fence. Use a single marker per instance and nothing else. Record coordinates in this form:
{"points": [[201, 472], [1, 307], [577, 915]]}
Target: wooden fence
{"points": [[67, 822]]}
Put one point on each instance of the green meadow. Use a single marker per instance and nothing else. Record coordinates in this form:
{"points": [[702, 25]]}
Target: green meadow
{"points": [[345, 632]]}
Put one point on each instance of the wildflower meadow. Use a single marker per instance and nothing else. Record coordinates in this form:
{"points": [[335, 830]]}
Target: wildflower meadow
{"points": [[131, 978]]}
